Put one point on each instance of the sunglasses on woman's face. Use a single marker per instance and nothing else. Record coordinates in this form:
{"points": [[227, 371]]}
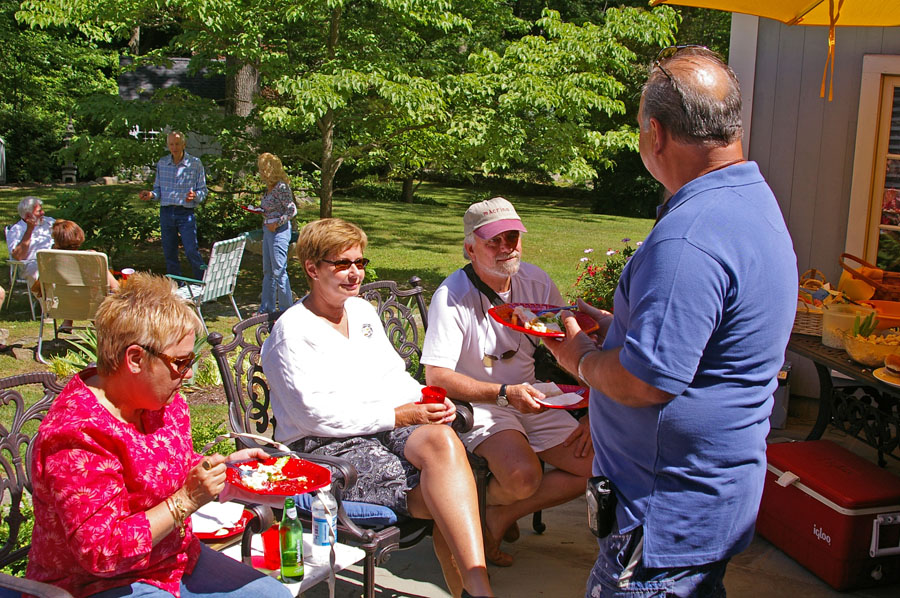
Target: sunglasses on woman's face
{"points": [[344, 264], [181, 365]]}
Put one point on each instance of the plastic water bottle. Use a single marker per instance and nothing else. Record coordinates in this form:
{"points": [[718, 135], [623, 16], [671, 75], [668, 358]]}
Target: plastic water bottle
{"points": [[291, 536], [324, 524]]}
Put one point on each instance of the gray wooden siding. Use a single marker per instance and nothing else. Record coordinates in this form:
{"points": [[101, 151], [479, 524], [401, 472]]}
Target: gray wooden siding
{"points": [[804, 144]]}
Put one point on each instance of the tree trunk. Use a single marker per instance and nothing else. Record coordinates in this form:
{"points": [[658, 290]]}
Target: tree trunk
{"points": [[330, 164], [241, 86], [408, 189]]}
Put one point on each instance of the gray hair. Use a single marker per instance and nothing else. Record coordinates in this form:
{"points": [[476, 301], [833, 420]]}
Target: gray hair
{"points": [[26, 206], [469, 240], [689, 112]]}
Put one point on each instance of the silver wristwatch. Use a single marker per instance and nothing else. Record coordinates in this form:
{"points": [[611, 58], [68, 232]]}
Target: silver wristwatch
{"points": [[502, 401]]}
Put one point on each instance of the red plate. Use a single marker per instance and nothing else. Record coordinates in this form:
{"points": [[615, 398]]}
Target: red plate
{"points": [[253, 209], [581, 391], [227, 532], [315, 476], [503, 314]]}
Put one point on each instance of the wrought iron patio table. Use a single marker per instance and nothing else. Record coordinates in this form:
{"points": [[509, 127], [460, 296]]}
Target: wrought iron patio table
{"points": [[861, 405]]}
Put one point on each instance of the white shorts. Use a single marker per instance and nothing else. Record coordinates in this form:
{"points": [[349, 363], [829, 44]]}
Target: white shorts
{"points": [[543, 430]]}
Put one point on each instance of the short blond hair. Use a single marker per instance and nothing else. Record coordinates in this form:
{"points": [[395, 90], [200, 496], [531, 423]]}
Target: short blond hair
{"points": [[271, 170], [144, 311], [325, 237]]}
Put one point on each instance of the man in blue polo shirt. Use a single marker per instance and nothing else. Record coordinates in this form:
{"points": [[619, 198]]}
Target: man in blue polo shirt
{"points": [[180, 186], [682, 387]]}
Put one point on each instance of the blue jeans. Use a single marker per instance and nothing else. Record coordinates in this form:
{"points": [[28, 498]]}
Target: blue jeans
{"points": [[215, 576], [619, 573], [174, 222], [276, 286]]}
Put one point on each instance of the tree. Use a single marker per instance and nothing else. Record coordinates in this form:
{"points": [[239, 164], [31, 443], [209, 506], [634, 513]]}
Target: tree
{"points": [[409, 84], [43, 74]]}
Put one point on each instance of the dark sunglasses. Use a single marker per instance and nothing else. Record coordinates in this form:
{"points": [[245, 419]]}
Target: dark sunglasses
{"points": [[489, 360], [344, 264], [181, 365], [667, 53]]}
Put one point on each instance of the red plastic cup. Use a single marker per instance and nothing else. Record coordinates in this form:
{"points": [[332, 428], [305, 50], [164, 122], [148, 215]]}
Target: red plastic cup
{"points": [[271, 548], [126, 272], [433, 394]]}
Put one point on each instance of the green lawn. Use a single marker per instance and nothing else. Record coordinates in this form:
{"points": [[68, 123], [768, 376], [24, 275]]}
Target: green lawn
{"points": [[422, 239]]}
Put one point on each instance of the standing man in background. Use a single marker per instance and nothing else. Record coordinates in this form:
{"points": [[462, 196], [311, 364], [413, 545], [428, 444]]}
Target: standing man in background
{"points": [[681, 390], [180, 186]]}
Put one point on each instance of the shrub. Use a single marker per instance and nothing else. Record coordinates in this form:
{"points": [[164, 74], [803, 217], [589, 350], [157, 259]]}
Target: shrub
{"points": [[221, 216], [31, 140], [596, 284], [113, 218], [17, 569]]}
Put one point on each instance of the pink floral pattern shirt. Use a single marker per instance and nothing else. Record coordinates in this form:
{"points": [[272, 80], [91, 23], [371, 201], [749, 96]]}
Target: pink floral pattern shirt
{"points": [[93, 477]]}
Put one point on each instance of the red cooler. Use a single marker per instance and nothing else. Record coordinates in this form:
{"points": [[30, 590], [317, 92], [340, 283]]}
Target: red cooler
{"points": [[837, 514]]}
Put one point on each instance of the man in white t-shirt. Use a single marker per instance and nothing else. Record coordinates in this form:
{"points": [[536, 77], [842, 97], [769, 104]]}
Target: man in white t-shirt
{"points": [[479, 360], [30, 234]]}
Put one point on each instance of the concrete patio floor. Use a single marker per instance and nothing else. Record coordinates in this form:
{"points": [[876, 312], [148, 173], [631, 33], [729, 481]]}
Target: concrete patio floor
{"points": [[557, 562]]}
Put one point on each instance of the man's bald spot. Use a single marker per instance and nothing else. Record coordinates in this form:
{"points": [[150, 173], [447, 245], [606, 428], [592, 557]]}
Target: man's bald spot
{"points": [[701, 74]]}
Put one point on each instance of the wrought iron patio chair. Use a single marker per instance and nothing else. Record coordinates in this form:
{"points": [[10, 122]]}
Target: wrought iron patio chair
{"points": [[20, 415], [375, 529]]}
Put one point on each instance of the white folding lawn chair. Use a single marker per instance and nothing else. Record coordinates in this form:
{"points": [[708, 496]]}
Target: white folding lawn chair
{"points": [[17, 275], [73, 285], [219, 278]]}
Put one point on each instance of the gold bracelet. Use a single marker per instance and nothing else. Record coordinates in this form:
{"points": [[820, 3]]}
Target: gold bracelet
{"points": [[178, 512]]}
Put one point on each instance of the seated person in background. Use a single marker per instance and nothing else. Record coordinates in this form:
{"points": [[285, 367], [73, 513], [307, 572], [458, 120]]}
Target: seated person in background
{"points": [[29, 235], [480, 361], [339, 388], [114, 471], [68, 235]]}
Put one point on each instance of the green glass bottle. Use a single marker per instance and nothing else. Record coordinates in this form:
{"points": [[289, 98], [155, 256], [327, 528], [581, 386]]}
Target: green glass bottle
{"points": [[291, 533]]}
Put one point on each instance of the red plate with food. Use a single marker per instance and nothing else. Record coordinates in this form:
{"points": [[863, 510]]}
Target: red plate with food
{"points": [[227, 532], [526, 317], [254, 209], [279, 476], [563, 396]]}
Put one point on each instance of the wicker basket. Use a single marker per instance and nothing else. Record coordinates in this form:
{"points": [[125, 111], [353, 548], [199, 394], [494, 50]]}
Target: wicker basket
{"points": [[887, 289], [808, 321]]}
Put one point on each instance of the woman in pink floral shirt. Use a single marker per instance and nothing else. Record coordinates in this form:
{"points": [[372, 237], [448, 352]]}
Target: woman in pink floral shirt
{"points": [[114, 472]]}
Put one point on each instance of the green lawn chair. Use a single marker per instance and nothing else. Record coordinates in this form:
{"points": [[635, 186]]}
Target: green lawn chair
{"points": [[219, 278]]}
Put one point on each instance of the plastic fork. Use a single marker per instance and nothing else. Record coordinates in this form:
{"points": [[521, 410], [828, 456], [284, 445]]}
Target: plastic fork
{"points": [[557, 309]]}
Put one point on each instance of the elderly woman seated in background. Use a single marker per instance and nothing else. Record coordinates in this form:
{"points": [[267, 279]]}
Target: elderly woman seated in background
{"points": [[114, 472], [339, 388]]}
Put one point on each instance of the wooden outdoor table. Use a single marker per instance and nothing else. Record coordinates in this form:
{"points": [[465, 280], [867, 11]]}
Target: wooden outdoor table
{"points": [[863, 406]]}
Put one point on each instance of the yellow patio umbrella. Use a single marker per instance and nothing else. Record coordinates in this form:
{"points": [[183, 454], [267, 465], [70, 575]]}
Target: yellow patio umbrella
{"points": [[830, 13]]}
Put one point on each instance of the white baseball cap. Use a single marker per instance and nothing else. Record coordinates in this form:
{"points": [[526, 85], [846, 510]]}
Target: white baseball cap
{"points": [[491, 217]]}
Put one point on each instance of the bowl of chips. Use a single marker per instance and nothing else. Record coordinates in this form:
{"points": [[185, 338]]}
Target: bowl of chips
{"points": [[871, 350]]}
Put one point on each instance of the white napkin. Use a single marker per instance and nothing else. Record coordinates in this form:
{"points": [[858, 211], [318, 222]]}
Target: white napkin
{"points": [[555, 396], [214, 516]]}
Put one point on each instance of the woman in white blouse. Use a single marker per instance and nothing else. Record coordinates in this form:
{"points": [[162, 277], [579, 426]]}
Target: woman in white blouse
{"points": [[339, 388]]}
